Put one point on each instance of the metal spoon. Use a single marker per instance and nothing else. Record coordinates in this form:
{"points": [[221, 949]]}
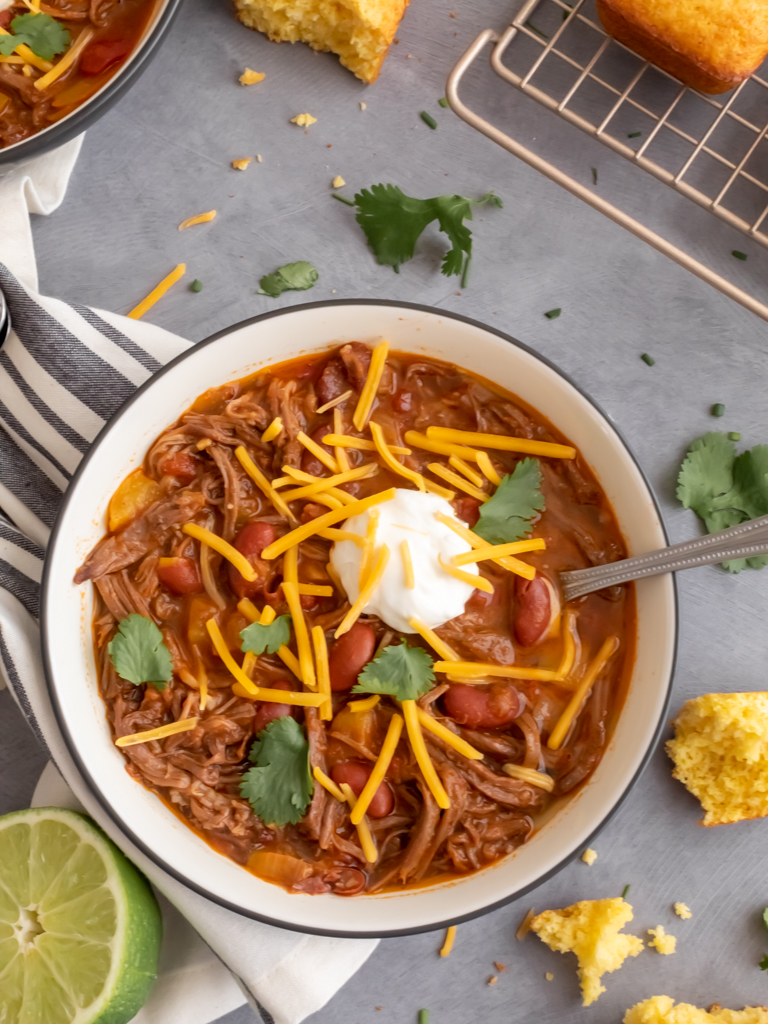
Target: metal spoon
{"points": [[5, 319], [741, 541]]}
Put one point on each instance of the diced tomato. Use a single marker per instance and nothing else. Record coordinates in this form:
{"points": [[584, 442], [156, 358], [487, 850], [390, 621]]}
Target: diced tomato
{"points": [[182, 465], [181, 576], [102, 54]]}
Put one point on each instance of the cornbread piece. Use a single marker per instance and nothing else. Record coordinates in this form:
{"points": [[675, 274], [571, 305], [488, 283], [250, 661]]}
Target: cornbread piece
{"points": [[589, 857], [720, 752], [662, 942], [662, 1010], [359, 31], [590, 929], [711, 45], [682, 911]]}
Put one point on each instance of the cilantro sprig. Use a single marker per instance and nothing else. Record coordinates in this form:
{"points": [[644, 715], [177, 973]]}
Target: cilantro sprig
{"points": [[279, 787], [293, 277], [393, 222], [518, 500], [40, 32], [258, 638], [139, 654], [399, 671], [725, 489]]}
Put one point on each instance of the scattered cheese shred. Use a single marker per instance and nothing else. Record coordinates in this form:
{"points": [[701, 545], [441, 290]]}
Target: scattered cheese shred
{"points": [[321, 484], [303, 700], [531, 776], [405, 552], [202, 679], [363, 831], [231, 554], [339, 440], [371, 386], [682, 911], [469, 670], [301, 533], [374, 578], [249, 77], [501, 442], [240, 165], [323, 672], [511, 564], [606, 652], [364, 705], [273, 430], [249, 663], [286, 655], [467, 471], [314, 590], [328, 784], [328, 500], [457, 481], [268, 615], [184, 725], [199, 218], [589, 856], [312, 446], [303, 120], [525, 925], [209, 580], [438, 729], [70, 57], [262, 483], [338, 181], [333, 403], [366, 560], [419, 748], [340, 535], [302, 636], [289, 659], [418, 440], [390, 461], [569, 646], [158, 292], [466, 577], [486, 466], [25, 54], [379, 770], [248, 609], [450, 937], [338, 425], [493, 551], [223, 652], [445, 650]]}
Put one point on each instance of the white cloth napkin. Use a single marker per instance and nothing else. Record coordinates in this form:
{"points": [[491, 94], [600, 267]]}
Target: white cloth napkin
{"points": [[63, 370]]}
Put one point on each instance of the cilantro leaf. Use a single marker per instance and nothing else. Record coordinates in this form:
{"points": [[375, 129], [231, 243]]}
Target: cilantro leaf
{"points": [[280, 787], [392, 223], [258, 638], [764, 964], [40, 32], [724, 489], [518, 499], [139, 654], [765, 917], [293, 277], [401, 671]]}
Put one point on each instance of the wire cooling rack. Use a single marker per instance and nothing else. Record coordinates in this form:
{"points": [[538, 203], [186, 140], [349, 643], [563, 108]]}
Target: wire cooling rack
{"points": [[711, 149]]}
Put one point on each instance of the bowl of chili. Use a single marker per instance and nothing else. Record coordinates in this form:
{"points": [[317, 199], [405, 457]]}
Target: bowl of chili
{"points": [[570, 739]]}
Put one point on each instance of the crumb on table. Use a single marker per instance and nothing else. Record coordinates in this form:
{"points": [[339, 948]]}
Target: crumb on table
{"points": [[589, 856]]}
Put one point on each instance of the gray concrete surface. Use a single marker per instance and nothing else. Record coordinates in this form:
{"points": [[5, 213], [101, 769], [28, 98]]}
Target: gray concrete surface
{"points": [[164, 153]]}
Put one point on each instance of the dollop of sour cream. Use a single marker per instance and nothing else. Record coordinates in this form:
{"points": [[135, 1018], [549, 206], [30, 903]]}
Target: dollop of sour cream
{"points": [[436, 597]]}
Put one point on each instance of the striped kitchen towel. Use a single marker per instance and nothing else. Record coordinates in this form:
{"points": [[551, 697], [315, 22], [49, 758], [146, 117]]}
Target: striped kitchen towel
{"points": [[64, 370]]}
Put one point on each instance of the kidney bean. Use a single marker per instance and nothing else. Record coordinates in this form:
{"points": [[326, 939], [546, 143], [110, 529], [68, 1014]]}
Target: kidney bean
{"points": [[402, 401], [531, 611], [350, 654], [312, 511], [251, 541], [332, 383], [268, 711], [482, 707], [308, 602], [6, 17], [182, 465], [345, 881], [356, 774], [468, 509], [311, 464], [102, 54], [182, 577]]}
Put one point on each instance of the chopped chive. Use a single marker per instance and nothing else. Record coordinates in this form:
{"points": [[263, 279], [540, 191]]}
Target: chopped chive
{"points": [[349, 202], [465, 272], [196, 286], [625, 892], [634, 135], [718, 409], [428, 119], [739, 255], [553, 314], [423, 1016], [734, 436], [594, 175], [538, 31], [648, 360], [443, 102]]}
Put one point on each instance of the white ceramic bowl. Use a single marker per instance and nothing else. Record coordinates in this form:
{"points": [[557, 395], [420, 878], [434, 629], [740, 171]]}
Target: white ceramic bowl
{"points": [[120, 448]]}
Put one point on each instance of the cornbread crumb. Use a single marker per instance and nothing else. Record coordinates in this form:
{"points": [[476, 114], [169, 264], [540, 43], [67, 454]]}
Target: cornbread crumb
{"points": [[590, 929], [240, 165], [589, 857], [249, 77], [303, 120], [662, 942], [720, 752], [498, 966], [549, 976], [338, 181], [682, 911], [364, 106], [662, 1010], [492, 980], [258, 158], [358, 31]]}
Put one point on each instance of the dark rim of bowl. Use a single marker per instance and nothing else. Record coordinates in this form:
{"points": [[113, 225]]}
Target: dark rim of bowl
{"points": [[89, 112], [114, 815]]}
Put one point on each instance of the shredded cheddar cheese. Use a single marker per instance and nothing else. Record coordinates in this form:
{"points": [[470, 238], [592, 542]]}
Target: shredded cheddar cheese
{"points": [[373, 580], [70, 57], [501, 442], [405, 552], [339, 440], [390, 461], [466, 577], [531, 776], [268, 615], [199, 218], [467, 471], [328, 483], [262, 483], [493, 551], [248, 609], [289, 659], [445, 650], [158, 292], [323, 673], [418, 440], [461, 746], [273, 430], [419, 748], [569, 646], [340, 535], [338, 425], [364, 705], [286, 655], [314, 590], [450, 936], [366, 560], [457, 481], [434, 488], [328, 500], [301, 533], [294, 697], [226, 550], [291, 565], [363, 831], [222, 650], [511, 564], [371, 386], [249, 663], [312, 446], [26, 55], [379, 770], [183, 725], [486, 467], [249, 77], [302, 636], [328, 784], [333, 403], [606, 652], [469, 670]]}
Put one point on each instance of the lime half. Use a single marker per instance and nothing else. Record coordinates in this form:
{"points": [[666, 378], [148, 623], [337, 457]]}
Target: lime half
{"points": [[79, 926]]}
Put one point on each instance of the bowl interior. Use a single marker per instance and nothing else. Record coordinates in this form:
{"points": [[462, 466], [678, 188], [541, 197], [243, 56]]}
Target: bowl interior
{"points": [[121, 448]]}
